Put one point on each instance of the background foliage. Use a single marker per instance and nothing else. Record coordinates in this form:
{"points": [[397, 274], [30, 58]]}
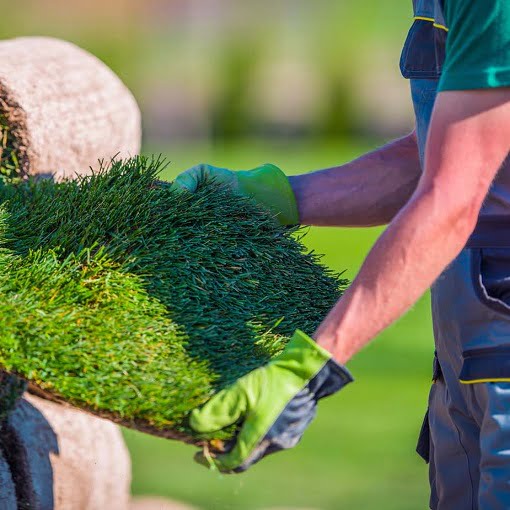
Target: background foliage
{"points": [[222, 70]]}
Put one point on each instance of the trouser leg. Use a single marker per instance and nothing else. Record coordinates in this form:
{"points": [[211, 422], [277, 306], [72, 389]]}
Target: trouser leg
{"points": [[492, 401], [454, 453], [470, 446]]}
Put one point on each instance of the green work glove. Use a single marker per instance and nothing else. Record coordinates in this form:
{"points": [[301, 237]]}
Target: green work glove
{"points": [[273, 405], [267, 185]]}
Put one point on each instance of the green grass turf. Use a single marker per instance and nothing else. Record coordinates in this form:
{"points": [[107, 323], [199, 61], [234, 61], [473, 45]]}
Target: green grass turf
{"points": [[359, 452], [9, 163], [139, 302]]}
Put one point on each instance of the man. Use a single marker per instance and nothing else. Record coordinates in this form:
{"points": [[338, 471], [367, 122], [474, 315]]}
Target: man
{"points": [[445, 192]]}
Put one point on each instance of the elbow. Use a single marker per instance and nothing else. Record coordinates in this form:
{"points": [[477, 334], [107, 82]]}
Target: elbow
{"points": [[457, 224], [463, 220], [455, 214]]}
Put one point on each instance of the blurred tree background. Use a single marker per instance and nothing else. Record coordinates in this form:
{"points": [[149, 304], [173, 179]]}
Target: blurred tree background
{"points": [[304, 85], [221, 69]]}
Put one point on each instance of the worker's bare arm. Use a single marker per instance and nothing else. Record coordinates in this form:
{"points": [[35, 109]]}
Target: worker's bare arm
{"points": [[469, 138], [367, 191]]}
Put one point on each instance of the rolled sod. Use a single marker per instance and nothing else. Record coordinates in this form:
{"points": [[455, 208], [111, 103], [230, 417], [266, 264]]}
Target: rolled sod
{"points": [[137, 303], [61, 109]]}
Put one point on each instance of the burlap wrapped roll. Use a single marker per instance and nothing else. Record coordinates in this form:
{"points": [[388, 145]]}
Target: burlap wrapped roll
{"points": [[64, 108]]}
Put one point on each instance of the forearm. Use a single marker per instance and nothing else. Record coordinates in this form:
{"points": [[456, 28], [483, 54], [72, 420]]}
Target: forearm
{"points": [[365, 192], [404, 262], [469, 139]]}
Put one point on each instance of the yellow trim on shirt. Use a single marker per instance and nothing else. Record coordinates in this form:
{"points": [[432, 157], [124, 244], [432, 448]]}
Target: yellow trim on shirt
{"points": [[433, 21], [474, 381]]}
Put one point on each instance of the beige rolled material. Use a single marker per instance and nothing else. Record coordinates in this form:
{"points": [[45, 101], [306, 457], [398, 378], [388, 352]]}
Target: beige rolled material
{"points": [[60, 458], [65, 111], [65, 108]]}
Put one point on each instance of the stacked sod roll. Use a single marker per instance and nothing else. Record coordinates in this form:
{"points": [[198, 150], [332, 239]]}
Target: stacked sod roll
{"points": [[136, 302], [61, 110]]}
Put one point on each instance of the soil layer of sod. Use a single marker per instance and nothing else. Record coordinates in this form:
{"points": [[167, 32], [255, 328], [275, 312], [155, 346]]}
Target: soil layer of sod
{"points": [[137, 303]]}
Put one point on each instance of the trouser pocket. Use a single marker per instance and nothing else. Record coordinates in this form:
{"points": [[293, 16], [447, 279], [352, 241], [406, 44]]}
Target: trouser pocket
{"points": [[490, 272], [489, 364]]}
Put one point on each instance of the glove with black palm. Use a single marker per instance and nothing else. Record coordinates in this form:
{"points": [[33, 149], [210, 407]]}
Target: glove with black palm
{"points": [[273, 405]]}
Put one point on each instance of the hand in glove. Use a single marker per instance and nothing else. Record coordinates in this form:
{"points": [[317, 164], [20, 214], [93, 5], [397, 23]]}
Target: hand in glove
{"points": [[273, 404], [267, 185]]}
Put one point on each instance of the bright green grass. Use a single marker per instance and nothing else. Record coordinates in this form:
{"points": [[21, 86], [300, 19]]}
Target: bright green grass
{"points": [[359, 453], [139, 302]]}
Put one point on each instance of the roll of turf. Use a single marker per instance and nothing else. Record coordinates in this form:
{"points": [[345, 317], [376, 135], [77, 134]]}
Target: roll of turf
{"points": [[61, 109], [137, 303]]}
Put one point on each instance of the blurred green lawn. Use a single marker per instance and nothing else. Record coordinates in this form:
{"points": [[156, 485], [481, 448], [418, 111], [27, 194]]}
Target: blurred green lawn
{"points": [[359, 453]]}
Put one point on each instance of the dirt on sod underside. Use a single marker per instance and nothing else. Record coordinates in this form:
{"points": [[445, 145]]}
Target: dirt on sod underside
{"points": [[137, 303]]}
